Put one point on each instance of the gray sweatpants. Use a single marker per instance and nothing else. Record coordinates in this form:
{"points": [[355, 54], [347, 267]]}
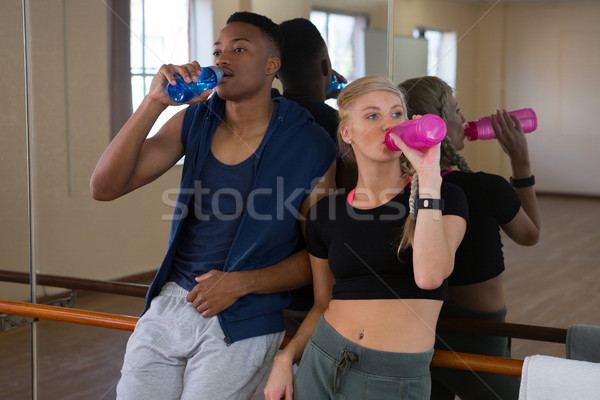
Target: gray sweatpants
{"points": [[175, 353]]}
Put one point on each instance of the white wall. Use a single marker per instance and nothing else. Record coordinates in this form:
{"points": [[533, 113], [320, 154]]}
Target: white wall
{"points": [[552, 64], [542, 55]]}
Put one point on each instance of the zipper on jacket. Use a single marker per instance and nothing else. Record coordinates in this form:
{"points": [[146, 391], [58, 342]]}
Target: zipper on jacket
{"points": [[227, 337]]}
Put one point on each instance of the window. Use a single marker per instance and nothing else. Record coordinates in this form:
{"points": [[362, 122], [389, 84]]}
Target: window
{"points": [[441, 53], [161, 34], [345, 38]]}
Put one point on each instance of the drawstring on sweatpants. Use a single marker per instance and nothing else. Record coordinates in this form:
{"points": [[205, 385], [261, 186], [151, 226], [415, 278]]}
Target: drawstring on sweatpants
{"points": [[348, 358]]}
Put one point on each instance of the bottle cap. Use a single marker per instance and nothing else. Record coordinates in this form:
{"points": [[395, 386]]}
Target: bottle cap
{"points": [[390, 143], [217, 71], [471, 131]]}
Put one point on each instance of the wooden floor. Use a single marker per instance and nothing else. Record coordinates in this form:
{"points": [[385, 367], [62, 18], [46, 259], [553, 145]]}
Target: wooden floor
{"points": [[556, 283]]}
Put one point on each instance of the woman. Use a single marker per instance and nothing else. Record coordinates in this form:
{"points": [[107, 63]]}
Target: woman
{"points": [[379, 274], [475, 286]]}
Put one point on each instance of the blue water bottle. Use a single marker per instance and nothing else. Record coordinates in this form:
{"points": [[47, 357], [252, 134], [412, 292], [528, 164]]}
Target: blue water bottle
{"points": [[183, 92], [335, 84]]}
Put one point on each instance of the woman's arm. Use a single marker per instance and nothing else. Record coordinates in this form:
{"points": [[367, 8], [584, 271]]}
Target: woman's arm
{"points": [[525, 227], [436, 237], [280, 381]]}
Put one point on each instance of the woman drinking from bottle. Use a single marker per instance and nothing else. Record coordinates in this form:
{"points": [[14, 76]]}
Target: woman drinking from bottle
{"points": [[380, 257]]}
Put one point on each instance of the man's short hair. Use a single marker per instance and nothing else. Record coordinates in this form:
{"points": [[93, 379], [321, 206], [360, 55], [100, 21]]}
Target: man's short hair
{"points": [[267, 27], [303, 45]]}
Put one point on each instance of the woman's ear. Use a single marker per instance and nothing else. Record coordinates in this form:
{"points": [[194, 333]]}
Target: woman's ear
{"points": [[345, 133]]}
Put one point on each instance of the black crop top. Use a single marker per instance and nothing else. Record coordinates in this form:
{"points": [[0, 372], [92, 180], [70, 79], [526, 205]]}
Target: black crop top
{"points": [[492, 202], [361, 245]]}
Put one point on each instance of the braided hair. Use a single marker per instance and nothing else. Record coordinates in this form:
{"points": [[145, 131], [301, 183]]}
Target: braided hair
{"points": [[429, 95]]}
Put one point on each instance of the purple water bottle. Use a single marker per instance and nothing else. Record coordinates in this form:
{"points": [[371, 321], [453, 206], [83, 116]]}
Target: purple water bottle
{"points": [[418, 133], [481, 129], [183, 92]]}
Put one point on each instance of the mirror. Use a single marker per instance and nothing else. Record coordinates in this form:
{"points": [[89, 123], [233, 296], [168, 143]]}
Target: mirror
{"points": [[76, 236], [15, 342]]}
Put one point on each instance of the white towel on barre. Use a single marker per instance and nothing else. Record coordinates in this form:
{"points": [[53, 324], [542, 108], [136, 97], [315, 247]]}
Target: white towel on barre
{"points": [[553, 378]]}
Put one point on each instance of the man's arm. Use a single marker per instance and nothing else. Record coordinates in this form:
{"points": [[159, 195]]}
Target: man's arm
{"points": [[217, 290], [131, 160]]}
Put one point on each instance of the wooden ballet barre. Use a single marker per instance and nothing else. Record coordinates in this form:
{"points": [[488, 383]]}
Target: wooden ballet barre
{"points": [[54, 313], [506, 329], [441, 358], [477, 362], [122, 288], [462, 325]]}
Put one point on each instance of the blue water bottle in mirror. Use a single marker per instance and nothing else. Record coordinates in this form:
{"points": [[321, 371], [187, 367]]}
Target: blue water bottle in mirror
{"points": [[183, 92], [335, 84]]}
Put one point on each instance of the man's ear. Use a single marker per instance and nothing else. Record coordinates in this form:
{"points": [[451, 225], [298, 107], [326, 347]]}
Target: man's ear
{"points": [[273, 65], [325, 67]]}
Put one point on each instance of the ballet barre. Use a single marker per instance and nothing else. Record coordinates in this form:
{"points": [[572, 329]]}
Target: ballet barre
{"points": [[441, 358], [461, 325]]}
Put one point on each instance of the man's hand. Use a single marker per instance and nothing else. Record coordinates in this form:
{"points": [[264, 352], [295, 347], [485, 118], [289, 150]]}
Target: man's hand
{"points": [[166, 75], [216, 291]]}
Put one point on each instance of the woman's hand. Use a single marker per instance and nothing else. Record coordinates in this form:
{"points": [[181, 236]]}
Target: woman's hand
{"points": [[166, 75], [280, 384], [510, 135], [426, 161], [512, 140]]}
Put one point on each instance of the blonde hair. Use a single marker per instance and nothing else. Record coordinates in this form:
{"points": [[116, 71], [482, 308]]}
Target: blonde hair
{"points": [[429, 95], [345, 102]]}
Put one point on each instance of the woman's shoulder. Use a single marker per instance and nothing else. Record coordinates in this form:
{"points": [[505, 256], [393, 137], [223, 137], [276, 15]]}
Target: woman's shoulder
{"points": [[476, 180], [330, 202]]}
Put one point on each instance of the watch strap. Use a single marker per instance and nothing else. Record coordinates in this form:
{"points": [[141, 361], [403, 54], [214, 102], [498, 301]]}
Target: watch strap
{"points": [[430, 204], [522, 182]]}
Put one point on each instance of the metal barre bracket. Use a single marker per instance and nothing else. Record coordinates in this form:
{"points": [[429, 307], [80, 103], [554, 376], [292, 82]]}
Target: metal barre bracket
{"points": [[8, 321]]}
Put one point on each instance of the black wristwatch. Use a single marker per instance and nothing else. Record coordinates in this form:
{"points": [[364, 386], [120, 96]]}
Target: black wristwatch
{"points": [[522, 182], [430, 204]]}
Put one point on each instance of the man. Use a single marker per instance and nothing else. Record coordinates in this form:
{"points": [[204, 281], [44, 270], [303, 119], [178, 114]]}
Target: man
{"points": [[305, 76], [214, 311]]}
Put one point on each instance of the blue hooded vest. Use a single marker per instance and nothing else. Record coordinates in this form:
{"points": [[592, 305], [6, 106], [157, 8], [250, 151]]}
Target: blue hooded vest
{"points": [[293, 155]]}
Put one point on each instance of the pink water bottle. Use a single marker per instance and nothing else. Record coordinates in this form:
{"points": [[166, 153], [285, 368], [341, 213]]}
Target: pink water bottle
{"points": [[482, 128], [418, 133]]}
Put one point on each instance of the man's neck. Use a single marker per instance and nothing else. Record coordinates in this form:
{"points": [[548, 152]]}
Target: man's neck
{"points": [[314, 90], [249, 116]]}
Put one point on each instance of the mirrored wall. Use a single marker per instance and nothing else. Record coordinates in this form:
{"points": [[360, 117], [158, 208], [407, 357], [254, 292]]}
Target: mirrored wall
{"points": [[56, 126], [50, 223]]}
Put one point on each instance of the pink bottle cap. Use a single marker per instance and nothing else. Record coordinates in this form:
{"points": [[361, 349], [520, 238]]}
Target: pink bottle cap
{"points": [[390, 143], [471, 131]]}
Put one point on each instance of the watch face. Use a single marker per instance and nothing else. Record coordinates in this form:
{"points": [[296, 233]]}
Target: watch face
{"points": [[431, 204]]}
